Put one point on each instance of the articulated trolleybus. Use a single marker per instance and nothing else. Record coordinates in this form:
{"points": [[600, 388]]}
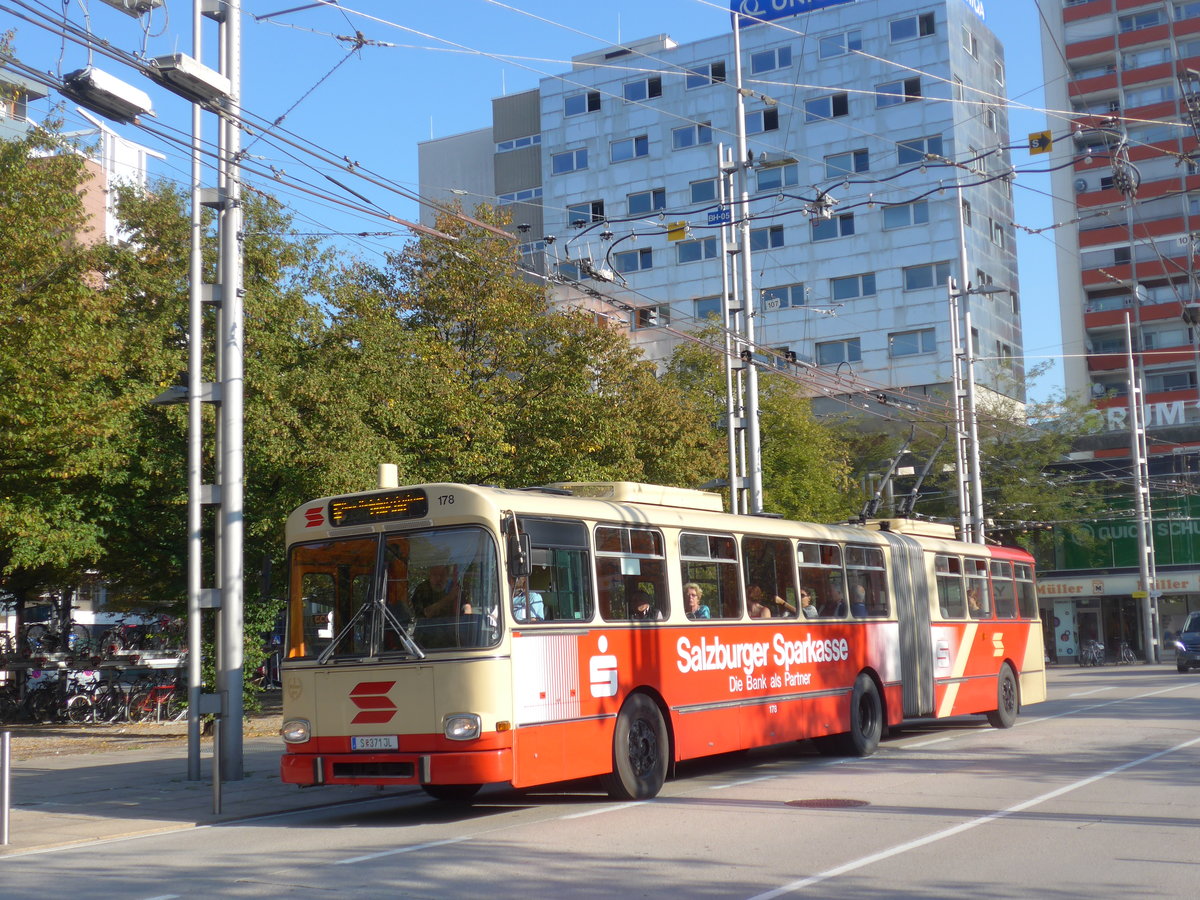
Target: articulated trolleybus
{"points": [[450, 635]]}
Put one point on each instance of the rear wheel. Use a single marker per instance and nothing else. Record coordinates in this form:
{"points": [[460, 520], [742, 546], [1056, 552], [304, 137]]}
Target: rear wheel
{"points": [[79, 708], [640, 751], [866, 719], [451, 793], [1007, 701]]}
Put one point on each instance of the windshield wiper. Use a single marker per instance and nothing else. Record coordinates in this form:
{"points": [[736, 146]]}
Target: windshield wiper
{"points": [[372, 608]]}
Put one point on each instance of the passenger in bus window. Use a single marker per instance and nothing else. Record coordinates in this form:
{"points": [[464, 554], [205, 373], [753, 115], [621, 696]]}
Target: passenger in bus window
{"points": [[836, 605], [858, 606], [528, 605], [641, 606], [974, 603], [807, 606], [760, 607], [692, 594], [440, 594]]}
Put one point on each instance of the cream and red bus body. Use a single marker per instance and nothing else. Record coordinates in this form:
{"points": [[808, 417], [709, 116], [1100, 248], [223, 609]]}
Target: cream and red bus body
{"points": [[548, 695]]}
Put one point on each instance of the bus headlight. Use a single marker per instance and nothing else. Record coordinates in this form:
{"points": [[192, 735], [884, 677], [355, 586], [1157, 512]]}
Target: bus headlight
{"points": [[296, 731], [462, 726]]}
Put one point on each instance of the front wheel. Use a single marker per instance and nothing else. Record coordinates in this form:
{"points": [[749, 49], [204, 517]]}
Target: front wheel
{"points": [[1007, 701], [1181, 668], [640, 751]]}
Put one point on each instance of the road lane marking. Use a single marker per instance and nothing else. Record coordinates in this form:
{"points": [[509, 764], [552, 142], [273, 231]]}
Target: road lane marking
{"points": [[856, 864], [1099, 690], [604, 809], [412, 848]]}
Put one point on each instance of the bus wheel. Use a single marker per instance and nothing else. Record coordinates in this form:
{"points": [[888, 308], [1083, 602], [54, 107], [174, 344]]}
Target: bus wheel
{"points": [[1005, 713], [452, 793], [640, 748], [866, 719]]}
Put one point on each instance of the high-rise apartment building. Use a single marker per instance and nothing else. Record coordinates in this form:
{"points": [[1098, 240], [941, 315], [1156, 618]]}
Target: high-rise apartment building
{"points": [[1123, 90], [850, 109], [1132, 196]]}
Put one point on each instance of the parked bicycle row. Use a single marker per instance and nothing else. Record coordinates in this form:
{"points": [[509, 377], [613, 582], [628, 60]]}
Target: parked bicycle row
{"points": [[164, 635], [1092, 653], [86, 697]]}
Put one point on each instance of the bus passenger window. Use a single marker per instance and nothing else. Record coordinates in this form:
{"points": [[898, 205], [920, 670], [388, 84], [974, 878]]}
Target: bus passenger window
{"points": [[822, 577], [1002, 590], [868, 582], [709, 561], [1026, 593], [978, 600], [951, 602], [559, 584], [631, 572], [770, 578]]}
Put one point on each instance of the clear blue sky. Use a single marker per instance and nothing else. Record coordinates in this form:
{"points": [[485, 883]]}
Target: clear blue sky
{"points": [[449, 59]]}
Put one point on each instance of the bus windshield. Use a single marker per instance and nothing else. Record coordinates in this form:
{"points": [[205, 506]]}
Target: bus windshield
{"points": [[400, 594]]}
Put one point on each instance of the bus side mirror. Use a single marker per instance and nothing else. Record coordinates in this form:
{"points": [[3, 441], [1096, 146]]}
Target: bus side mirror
{"points": [[518, 555]]}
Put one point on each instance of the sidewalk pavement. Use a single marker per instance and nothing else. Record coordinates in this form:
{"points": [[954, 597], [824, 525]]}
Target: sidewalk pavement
{"points": [[60, 801]]}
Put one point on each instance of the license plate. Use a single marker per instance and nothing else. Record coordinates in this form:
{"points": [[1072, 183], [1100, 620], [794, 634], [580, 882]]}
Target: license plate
{"points": [[382, 742]]}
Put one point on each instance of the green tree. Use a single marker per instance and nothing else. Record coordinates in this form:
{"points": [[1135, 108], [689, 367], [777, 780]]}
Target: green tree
{"points": [[806, 463], [62, 350]]}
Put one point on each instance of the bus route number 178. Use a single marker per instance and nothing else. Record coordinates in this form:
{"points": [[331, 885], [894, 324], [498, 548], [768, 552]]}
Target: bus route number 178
{"points": [[445, 500]]}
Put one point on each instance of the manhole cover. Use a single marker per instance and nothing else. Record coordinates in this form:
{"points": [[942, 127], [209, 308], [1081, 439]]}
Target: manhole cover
{"points": [[827, 803]]}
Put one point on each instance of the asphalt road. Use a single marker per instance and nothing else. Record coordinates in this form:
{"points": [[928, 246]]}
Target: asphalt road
{"points": [[1094, 794]]}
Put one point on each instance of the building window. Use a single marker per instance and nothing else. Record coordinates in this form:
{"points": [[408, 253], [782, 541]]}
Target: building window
{"points": [[831, 353], [908, 152], [893, 93], [785, 297], [578, 104], [905, 214], [1171, 381], [1160, 93], [762, 120], [769, 60], [1138, 21], [966, 214], [643, 89], [838, 226], [970, 44], [704, 191], [912, 343], [707, 306], [711, 73], [652, 316], [585, 213], [998, 72], [917, 278], [691, 135], [774, 178], [518, 143], [1187, 10], [998, 237], [695, 251], [911, 27], [521, 196], [849, 163], [647, 201], [769, 238], [851, 287], [634, 260], [990, 119], [629, 148], [571, 161], [829, 107], [839, 44]]}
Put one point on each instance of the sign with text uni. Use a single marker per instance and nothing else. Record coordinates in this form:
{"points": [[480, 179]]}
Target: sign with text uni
{"points": [[750, 12]]}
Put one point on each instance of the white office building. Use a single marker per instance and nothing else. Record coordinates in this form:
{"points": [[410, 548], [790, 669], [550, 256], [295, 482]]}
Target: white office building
{"points": [[613, 167]]}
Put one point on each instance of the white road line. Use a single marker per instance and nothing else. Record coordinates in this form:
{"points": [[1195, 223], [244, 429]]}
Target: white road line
{"points": [[965, 826], [721, 787], [1100, 690], [604, 809], [397, 850]]}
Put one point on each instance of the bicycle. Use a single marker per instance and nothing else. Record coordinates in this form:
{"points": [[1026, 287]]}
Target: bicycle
{"points": [[57, 634], [1091, 654], [161, 702], [1126, 656]]}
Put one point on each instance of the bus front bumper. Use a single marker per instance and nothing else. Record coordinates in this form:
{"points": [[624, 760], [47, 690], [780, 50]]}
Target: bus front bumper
{"points": [[479, 767]]}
